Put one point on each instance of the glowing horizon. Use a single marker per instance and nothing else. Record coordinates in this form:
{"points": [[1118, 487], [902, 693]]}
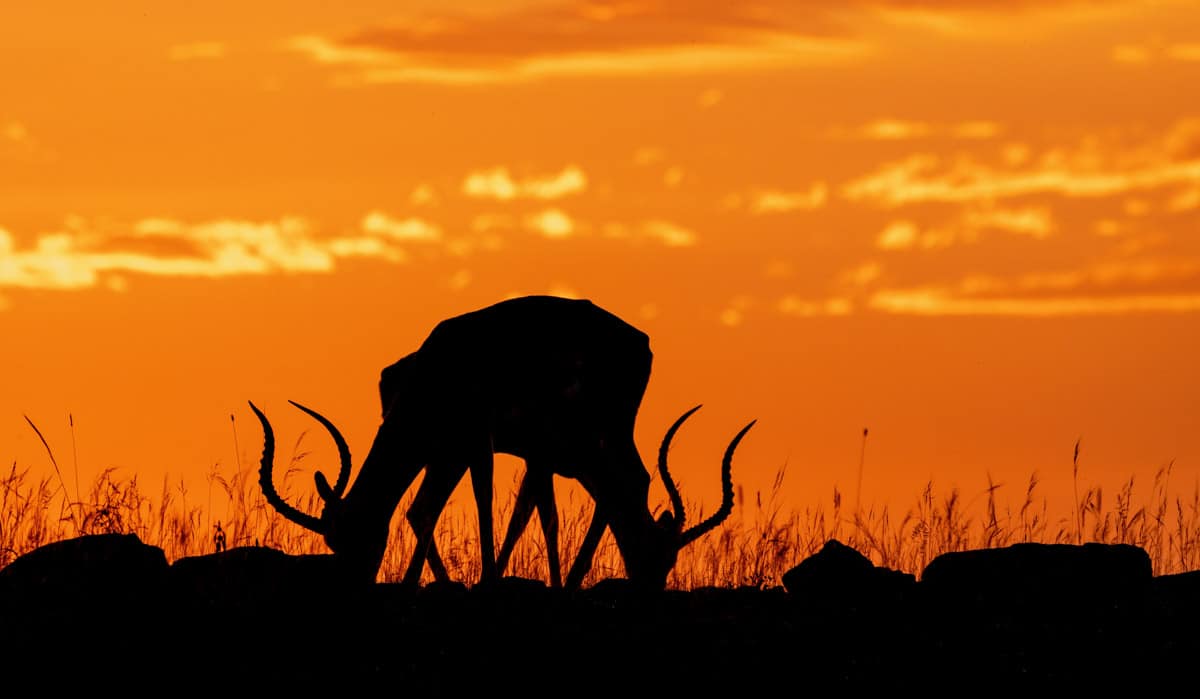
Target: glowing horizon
{"points": [[973, 228]]}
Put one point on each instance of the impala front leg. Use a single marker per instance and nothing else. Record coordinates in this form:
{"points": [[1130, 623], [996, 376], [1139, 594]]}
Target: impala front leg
{"points": [[536, 491], [427, 505], [587, 551], [482, 469]]}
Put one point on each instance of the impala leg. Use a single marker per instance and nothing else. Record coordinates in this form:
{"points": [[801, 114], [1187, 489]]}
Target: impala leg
{"points": [[522, 511], [543, 495], [427, 506], [587, 552], [536, 491], [436, 566], [481, 482]]}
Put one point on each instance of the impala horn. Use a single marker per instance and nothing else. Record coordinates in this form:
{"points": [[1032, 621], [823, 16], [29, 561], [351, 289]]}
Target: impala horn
{"points": [[690, 535], [327, 493]]}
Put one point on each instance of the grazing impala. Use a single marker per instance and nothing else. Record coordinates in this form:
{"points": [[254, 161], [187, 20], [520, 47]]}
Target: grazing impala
{"points": [[556, 382]]}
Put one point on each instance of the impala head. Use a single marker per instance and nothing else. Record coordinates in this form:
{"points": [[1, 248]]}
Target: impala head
{"points": [[656, 551], [359, 543]]}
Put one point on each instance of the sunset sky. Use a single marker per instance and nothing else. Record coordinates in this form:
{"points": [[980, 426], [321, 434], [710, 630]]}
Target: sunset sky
{"points": [[970, 226]]}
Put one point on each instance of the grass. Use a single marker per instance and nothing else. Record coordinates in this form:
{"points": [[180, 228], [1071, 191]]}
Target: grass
{"points": [[755, 546]]}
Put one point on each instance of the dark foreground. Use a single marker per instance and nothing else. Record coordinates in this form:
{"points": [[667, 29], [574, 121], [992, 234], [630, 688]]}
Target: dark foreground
{"points": [[1020, 618]]}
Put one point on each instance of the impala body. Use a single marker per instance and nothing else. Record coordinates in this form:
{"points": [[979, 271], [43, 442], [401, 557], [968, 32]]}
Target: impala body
{"points": [[556, 382]]}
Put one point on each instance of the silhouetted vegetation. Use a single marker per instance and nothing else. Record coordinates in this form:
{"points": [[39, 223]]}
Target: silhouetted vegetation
{"points": [[755, 546]]}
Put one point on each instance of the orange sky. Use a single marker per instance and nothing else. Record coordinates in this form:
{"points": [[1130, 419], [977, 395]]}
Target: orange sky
{"points": [[972, 226]]}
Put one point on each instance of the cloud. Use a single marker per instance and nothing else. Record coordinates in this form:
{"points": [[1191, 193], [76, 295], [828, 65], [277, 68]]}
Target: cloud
{"points": [[601, 37], [1033, 221], [414, 229], [969, 226], [1119, 286], [775, 201], [898, 235], [938, 302], [196, 50], [792, 305], [551, 223], [665, 232], [1111, 278], [889, 129], [14, 131], [1143, 54], [460, 279], [16, 141], [976, 130], [863, 274], [1185, 52], [1186, 199], [82, 256], [1086, 171], [1131, 54], [423, 195], [670, 234], [648, 155], [497, 183], [710, 98], [629, 37], [734, 313]]}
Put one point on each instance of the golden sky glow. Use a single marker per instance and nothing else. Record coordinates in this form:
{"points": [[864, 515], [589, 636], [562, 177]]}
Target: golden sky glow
{"points": [[971, 226]]}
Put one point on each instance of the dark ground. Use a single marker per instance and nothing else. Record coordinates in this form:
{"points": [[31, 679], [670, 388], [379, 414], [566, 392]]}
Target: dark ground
{"points": [[233, 623]]}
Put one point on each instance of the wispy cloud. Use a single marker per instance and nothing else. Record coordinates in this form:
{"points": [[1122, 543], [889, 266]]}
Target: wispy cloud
{"points": [[601, 37], [1110, 278], [1086, 171], [551, 223], [889, 129], [80, 256], [1117, 286], [497, 183], [773, 201], [17, 141], [1033, 221], [792, 305], [665, 232], [671, 234], [14, 131], [413, 229], [938, 302], [898, 235], [1186, 199], [630, 37], [423, 195], [196, 50], [969, 226], [1142, 54]]}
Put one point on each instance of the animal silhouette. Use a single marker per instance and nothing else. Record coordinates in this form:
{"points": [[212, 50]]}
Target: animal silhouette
{"points": [[556, 382]]}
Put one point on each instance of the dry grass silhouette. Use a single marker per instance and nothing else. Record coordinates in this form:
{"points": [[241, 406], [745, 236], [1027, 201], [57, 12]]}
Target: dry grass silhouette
{"points": [[755, 547]]}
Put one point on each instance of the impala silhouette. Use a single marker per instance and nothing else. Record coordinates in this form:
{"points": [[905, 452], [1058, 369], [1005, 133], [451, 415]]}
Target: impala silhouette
{"points": [[556, 382]]}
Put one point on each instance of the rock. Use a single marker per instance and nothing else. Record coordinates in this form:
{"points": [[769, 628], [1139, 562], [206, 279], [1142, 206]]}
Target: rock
{"points": [[839, 572], [94, 567], [256, 574], [1041, 572]]}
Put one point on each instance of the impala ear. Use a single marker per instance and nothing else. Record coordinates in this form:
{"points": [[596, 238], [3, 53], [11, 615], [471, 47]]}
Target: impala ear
{"points": [[667, 521]]}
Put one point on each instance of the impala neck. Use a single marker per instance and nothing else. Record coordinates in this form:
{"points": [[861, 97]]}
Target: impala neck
{"points": [[621, 489], [384, 477]]}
